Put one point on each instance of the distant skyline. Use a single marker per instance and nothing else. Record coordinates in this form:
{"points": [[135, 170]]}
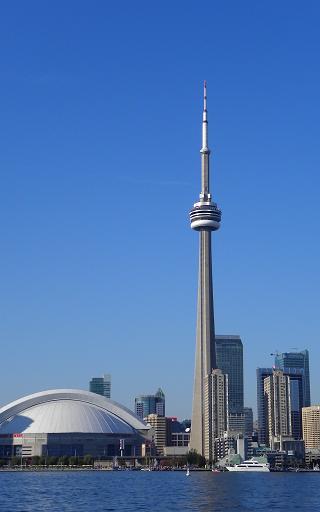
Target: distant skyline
{"points": [[100, 124]]}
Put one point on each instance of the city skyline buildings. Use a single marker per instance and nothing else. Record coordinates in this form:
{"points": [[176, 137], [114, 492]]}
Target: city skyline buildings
{"points": [[295, 379], [205, 217], [144, 405], [295, 368], [277, 397], [101, 385]]}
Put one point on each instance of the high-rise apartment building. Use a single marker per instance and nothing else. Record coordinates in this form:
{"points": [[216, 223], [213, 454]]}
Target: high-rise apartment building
{"points": [[296, 379], [311, 427], [278, 406], [205, 217], [216, 411], [296, 360], [150, 404], [229, 354], [101, 385], [161, 431]]}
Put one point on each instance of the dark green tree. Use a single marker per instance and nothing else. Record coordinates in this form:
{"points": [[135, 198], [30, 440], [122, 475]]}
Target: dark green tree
{"points": [[195, 459], [88, 460], [52, 461]]}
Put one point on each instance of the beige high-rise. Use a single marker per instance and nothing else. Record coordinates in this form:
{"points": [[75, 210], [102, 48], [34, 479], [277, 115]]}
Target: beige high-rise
{"points": [[311, 426], [205, 217], [215, 410], [159, 425], [278, 406]]}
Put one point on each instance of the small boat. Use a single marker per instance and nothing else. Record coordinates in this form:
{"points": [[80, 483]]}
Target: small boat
{"points": [[188, 471], [250, 465]]}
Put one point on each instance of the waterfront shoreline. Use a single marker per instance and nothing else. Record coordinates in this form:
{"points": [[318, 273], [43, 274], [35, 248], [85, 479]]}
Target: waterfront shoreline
{"points": [[110, 470]]}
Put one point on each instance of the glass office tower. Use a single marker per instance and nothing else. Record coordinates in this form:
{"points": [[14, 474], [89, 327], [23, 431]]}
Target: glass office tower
{"points": [[296, 360], [150, 404], [229, 354], [101, 385]]}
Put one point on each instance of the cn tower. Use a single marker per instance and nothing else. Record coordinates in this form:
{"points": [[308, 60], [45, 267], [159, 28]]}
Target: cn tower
{"points": [[205, 217]]}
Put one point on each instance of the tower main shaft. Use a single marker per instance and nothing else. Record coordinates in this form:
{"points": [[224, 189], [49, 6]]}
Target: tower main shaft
{"points": [[204, 217]]}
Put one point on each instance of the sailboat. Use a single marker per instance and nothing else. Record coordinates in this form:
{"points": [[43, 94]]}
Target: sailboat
{"points": [[188, 471]]}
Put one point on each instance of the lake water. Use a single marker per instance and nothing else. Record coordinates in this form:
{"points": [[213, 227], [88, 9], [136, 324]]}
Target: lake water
{"points": [[158, 492]]}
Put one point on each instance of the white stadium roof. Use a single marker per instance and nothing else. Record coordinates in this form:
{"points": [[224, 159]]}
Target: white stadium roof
{"points": [[68, 411]]}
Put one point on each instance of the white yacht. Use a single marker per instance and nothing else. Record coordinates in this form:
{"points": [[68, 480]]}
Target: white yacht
{"points": [[250, 465]]}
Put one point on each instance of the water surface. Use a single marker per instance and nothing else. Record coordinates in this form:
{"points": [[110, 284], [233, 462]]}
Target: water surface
{"points": [[158, 492]]}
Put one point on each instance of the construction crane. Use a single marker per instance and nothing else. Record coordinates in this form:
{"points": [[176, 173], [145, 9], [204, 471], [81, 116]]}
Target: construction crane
{"points": [[276, 354]]}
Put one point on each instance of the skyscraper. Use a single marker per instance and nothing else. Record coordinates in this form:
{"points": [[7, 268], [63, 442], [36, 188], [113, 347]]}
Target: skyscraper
{"points": [[248, 424], [296, 376], [215, 410], [101, 385], [205, 217], [229, 353], [299, 360], [150, 404], [161, 429], [278, 407], [296, 382], [311, 427], [262, 373], [160, 402]]}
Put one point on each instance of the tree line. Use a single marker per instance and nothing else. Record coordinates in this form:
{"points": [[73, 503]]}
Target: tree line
{"points": [[36, 460]]}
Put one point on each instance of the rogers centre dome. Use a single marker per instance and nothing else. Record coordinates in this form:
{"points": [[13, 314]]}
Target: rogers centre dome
{"points": [[69, 422]]}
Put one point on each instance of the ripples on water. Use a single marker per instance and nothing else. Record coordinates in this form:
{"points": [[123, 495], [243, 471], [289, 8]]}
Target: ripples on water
{"points": [[158, 492]]}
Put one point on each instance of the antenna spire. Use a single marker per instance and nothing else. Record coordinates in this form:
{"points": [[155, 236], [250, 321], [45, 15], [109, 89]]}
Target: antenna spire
{"points": [[205, 96], [205, 148]]}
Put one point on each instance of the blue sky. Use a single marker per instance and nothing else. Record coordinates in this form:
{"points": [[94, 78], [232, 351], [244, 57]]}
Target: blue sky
{"points": [[100, 133]]}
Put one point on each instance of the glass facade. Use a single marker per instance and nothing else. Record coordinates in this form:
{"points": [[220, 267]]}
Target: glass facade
{"points": [[262, 373], [229, 354], [296, 360], [150, 404], [296, 402], [96, 445], [296, 379], [248, 415], [101, 385], [61, 450], [6, 451]]}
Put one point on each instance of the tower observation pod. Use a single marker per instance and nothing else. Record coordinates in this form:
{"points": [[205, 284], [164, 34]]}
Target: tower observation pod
{"points": [[205, 214], [205, 217]]}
